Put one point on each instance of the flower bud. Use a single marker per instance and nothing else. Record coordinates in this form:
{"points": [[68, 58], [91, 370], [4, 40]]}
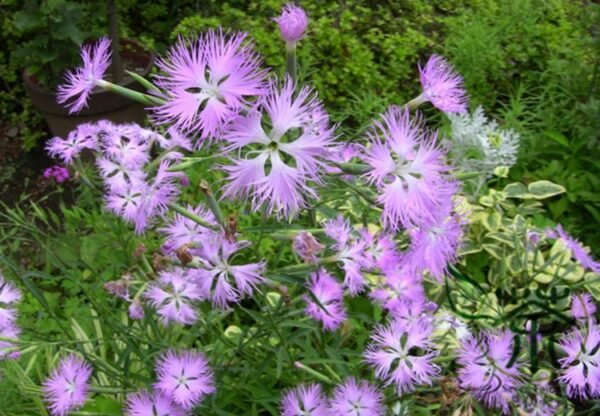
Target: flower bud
{"points": [[292, 23]]}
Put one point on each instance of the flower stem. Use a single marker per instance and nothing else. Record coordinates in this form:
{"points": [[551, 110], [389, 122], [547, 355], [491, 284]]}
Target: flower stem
{"points": [[313, 373], [140, 97], [213, 205], [188, 214], [415, 102], [291, 60]]}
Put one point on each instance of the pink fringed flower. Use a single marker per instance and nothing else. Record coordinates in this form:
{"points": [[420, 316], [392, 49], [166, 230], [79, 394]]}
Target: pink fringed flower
{"points": [[356, 398], [59, 173], [81, 81], [185, 377], [67, 388], [85, 136], [9, 295], [487, 368], [173, 297], [402, 354], [581, 366], [151, 404], [442, 86], [582, 306], [398, 290], [304, 400], [207, 82], [217, 278], [326, 300], [578, 251], [275, 165], [292, 23], [350, 251], [434, 246], [182, 231], [407, 168]]}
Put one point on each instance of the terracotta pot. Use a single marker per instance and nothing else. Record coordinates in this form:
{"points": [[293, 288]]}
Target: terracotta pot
{"points": [[102, 105]]}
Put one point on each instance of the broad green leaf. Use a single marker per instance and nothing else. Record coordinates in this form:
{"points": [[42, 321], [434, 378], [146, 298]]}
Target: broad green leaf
{"points": [[545, 189], [516, 190]]}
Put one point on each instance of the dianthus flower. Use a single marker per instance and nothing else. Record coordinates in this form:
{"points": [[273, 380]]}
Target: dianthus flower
{"points": [[304, 400], [81, 81], [434, 246], [182, 231], [185, 377], [402, 354], [173, 296], [581, 366], [292, 23], [350, 251], [407, 168], [85, 136], [485, 370], [442, 86], [275, 165], [207, 82], [578, 251], [380, 250], [219, 280], [151, 404], [59, 173], [307, 246], [397, 289], [67, 388], [356, 398], [582, 306], [326, 301], [9, 295]]}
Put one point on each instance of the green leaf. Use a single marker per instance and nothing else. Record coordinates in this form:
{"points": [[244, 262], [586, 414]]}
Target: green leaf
{"points": [[558, 138], [492, 221], [25, 21], [516, 190], [545, 189]]}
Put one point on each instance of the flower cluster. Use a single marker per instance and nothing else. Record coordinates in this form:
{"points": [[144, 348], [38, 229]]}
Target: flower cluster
{"points": [[59, 173], [9, 295]]}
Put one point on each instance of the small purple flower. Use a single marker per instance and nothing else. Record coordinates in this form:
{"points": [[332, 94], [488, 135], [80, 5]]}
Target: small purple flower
{"points": [[398, 290], [304, 400], [581, 366], [182, 231], [434, 246], [356, 398], [59, 173], [326, 301], [207, 82], [67, 388], [217, 278], [85, 136], [578, 251], [174, 295], [151, 404], [292, 23], [407, 168], [136, 310], [442, 86], [350, 251], [582, 306], [381, 251], [9, 294], [402, 354], [274, 166], [185, 377], [307, 246], [11, 332], [81, 81], [485, 370]]}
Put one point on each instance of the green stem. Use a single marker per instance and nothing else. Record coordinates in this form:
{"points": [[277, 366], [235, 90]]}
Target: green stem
{"points": [[353, 168], [415, 102], [140, 97], [213, 205], [291, 60], [188, 214], [142, 81], [108, 390], [313, 373]]}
